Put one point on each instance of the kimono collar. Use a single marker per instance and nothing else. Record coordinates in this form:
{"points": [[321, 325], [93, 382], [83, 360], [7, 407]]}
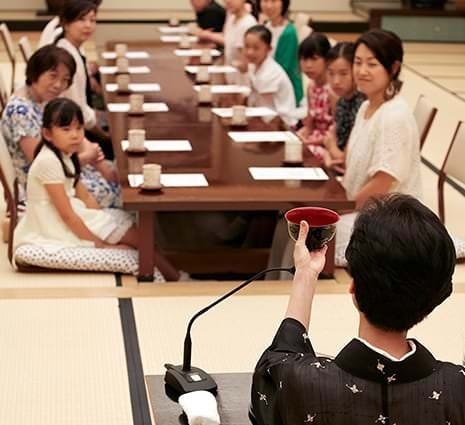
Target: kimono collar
{"points": [[360, 360]]}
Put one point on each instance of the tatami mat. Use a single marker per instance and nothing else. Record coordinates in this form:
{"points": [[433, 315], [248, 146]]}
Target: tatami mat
{"points": [[231, 337], [62, 363]]}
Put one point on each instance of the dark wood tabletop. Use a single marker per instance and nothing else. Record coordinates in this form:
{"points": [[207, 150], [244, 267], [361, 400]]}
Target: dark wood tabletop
{"points": [[233, 400], [224, 163]]}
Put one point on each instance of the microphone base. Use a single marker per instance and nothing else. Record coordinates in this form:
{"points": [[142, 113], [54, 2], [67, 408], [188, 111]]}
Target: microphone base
{"points": [[195, 379]]}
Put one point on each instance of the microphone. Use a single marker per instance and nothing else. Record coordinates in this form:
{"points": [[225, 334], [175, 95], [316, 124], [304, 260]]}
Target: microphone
{"points": [[186, 378]]}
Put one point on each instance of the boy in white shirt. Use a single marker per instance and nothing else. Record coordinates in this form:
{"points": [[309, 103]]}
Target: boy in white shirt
{"points": [[269, 82], [238, 21]]}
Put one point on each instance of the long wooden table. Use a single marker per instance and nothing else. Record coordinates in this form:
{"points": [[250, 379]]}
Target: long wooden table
{"points": [[224, 163]]}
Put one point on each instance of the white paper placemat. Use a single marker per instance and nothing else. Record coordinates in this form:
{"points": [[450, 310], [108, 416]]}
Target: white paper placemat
{"points": [[260, 111], [194, 52], [132, 69], [181, 29], [148, 107], [227, 89], [177, 38], [135, 87], [129, 55], [288, 173], [163, 145], [261, 136], [173, 180], [212, 69]]}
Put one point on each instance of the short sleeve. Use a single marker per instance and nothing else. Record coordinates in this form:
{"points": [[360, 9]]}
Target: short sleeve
{"points": [[48, 170], [21, 121], [394, 145]]}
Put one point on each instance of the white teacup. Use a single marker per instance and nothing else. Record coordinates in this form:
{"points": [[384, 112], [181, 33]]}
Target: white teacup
{"points": [[174, 22], [205, 94], [136, 103], [184, 42], [206, 57], [203, 75], [293, 151], [239, 116], [122, 82], [121, 50], [136, 139], [204, 114], [151, 174], [122, 64]]}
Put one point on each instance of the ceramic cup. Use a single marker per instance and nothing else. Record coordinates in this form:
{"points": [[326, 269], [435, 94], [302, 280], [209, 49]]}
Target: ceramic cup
{"points": [[174, 22], [206, 57], [136, 139], [122, 82], [293, 152], [121, 50], [184, 42], [239, 116], [204, 94], [152, 174], [122, 65], [202, 75], [321, 221], [136, 103]]}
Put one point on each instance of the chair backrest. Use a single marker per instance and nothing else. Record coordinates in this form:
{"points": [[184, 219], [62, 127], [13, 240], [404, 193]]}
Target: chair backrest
{"points": [[453, 165], [10, 50], [25, 48], [302, 23], [4, 95], [10, 189], [424, 113]]}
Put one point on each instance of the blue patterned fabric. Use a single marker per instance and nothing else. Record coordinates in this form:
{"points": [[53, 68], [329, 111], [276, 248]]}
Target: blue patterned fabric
{"points": [[22, 117]]}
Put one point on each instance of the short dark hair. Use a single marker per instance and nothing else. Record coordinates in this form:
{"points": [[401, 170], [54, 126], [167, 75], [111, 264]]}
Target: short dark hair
{"points": [[284, 8], [402, 259], [263, 33], [48, 58], [344, 50], [75, 9], [316, 44], [387, 48]]}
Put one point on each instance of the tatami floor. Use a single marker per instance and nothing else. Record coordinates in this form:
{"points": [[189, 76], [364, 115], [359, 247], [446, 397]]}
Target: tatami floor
{"points": [[74, 346]]}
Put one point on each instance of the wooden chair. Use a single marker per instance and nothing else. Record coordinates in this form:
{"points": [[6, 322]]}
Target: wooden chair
{"points": [[424, 113], [452, 166], [4, 94], [10, 189], [25, 48], [302, 22], [10, 51]]}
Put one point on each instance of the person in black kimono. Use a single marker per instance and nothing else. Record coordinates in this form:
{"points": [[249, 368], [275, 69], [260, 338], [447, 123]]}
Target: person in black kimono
{"points": [[401, 259]]}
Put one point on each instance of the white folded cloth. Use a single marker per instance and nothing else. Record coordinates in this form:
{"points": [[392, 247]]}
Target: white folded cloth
{"points": [[200, 408]]}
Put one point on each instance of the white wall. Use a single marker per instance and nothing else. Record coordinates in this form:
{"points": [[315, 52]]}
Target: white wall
{"points": [[307, 5]]}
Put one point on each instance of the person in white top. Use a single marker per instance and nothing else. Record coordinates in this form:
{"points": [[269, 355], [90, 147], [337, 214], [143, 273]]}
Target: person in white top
{"points": [[53, 29], [79, 20], [383, 152], [269, 82], [238, 21]]}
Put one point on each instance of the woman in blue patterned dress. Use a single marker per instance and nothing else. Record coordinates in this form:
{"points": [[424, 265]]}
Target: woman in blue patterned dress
{"points": [[49, 72]]}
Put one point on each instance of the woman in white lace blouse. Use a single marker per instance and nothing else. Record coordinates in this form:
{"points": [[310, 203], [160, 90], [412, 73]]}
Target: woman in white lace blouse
{"points": [[383, 152]]}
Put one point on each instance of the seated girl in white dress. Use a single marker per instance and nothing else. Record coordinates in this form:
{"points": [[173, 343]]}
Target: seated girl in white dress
{"points": [[61, 213], [269, 82]]}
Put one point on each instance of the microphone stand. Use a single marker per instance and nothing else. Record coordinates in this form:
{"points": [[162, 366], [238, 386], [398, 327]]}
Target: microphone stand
{"points": [[187, 378]]}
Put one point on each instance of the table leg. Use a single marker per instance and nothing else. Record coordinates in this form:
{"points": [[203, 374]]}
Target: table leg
{"points": [[328, 271], [146, 246]]}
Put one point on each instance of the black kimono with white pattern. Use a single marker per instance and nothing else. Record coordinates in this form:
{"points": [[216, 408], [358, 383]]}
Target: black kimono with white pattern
{"points": [[292, 386]]}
